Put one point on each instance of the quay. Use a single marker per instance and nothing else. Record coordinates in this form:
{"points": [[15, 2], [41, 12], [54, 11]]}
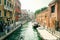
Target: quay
{"points": [[17, 26]]}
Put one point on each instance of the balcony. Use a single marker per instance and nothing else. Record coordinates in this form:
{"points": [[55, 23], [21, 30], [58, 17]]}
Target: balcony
{"points": [[8, 8]]}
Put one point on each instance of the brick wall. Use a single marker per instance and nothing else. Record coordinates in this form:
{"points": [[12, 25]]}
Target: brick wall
{"points": [[42, 18], [48, 18]]}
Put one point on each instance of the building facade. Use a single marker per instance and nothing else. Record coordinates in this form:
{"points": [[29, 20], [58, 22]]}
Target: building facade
{"points": [[43, 17], [6, 11], [50, 18], [17, 10], [54, 7]]}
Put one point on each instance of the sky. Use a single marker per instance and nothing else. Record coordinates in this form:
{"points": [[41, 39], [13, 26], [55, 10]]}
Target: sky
{"points": [[33, 5]]}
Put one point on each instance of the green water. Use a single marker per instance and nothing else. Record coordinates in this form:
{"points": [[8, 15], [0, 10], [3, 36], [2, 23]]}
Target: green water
{"points": [[26, 32]]}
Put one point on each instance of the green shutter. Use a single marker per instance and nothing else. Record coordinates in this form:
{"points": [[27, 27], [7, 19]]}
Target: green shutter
{"points": [[4, 12], [0, 13], [0, 1], [4, 2]]}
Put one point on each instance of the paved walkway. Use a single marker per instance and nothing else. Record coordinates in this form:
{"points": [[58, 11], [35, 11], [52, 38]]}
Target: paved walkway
{"points": [[45, 34]]}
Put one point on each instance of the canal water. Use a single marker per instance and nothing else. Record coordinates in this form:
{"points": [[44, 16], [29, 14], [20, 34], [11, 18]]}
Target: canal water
{"points": [[26, 32]]}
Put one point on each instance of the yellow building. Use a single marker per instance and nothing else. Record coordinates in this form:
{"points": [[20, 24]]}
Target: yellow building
{"points": [[6, 11]]}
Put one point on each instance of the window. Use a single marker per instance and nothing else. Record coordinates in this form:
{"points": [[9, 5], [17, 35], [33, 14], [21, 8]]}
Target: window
{"points": [[12, 6], [0, 1], [8, 4], [4, 12], [53, 9], [10, 13], [0, 12], [4, 2]]}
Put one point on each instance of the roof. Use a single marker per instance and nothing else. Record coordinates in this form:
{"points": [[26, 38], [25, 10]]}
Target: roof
{"points": [[52, 2]]}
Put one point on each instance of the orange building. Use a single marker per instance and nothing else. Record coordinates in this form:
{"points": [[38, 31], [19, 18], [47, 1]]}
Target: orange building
{"points": [[42, 18], [50, 18]]}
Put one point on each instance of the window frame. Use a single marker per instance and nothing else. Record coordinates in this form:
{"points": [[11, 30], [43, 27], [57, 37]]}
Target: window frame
{"points": [[8, 4], [53, 9], [4, 12]]}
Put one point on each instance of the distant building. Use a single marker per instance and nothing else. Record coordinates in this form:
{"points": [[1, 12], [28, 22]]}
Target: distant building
{"points": [[17, 10], [31, 15], [24, 14]]}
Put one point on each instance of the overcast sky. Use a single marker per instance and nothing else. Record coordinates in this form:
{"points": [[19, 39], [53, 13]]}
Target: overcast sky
{"points": [[33, 5]]}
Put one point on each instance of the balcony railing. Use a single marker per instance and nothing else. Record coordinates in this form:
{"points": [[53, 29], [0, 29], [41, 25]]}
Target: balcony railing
{"points": [[7, 8], [10, 9]]}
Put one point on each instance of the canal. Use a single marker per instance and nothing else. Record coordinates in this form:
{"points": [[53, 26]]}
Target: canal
{"points": [[26, 32]]}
